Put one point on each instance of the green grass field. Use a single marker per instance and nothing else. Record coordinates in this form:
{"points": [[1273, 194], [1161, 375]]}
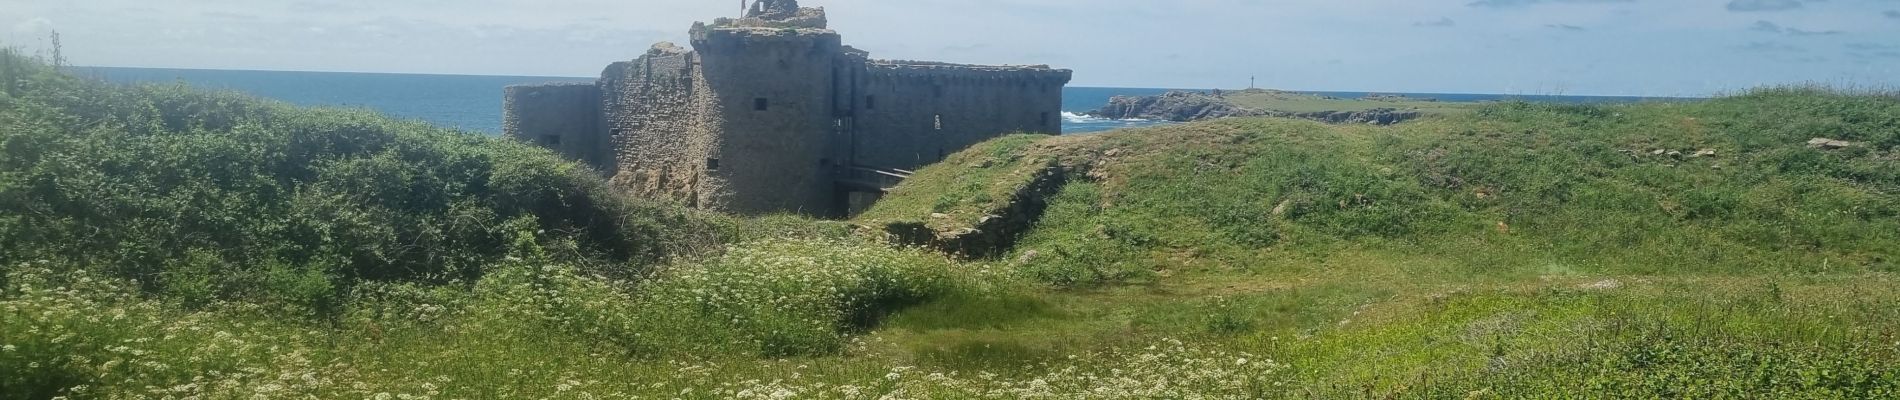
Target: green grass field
{"points": [[163, 242]]}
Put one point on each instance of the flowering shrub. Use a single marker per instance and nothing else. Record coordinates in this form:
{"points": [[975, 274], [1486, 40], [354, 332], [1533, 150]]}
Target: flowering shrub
{"points": [[534, 329], [775, 297], [799, 297], [1169, 370], [76, 334]]}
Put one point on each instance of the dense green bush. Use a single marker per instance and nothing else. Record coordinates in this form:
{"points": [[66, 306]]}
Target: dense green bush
{"points": [[210, 196]]}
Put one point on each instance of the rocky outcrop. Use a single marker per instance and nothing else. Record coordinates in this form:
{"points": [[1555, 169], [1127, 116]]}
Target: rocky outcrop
{"points": [[1177, 106], [1185, 106], [1831, 144], [1376, 116]]}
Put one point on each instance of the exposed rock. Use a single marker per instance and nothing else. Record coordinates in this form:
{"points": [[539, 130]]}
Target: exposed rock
{"points": [[1830, 144], [998, 230], [662, 49], [1178, 106], [1395, 98], [1186, 106], [1027, 257], [1376, 116], [1704, 153], [1606, 284]]}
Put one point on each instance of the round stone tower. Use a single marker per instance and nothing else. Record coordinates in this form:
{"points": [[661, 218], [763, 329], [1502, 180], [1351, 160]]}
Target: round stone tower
{"points": [[770, 92]]}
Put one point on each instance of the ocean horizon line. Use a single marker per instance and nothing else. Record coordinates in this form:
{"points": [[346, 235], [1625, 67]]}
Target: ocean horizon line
{"points": [[1072, 86]]}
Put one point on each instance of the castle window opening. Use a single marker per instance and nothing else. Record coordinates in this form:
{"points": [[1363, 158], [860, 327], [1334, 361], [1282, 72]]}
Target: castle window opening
{"points": [[712, 164], [870, 102], [761, 104]]}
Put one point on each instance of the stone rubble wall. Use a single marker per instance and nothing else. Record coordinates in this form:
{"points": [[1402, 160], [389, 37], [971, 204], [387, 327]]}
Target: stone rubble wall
{"points": [[658, 127], [997, 232]]}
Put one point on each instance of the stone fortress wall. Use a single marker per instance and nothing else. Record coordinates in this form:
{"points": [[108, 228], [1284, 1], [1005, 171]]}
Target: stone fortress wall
{"points": [[561, 117], [772, 113], [919, 112], [657, 128]]}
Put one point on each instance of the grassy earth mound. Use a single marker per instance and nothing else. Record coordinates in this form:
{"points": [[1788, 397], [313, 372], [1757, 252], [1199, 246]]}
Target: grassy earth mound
{"points": [[209, 196], [1660, 249]]}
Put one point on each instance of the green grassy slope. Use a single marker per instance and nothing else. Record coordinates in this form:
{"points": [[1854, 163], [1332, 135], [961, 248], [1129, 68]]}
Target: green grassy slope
{"points": [[1519, 249]]}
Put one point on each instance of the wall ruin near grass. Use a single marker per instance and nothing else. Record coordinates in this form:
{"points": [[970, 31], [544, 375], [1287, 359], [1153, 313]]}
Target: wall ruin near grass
{"points": [[772, 113]]}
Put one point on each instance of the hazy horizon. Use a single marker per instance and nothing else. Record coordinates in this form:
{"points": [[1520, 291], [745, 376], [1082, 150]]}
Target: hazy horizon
{"points": [[1563, 47]]}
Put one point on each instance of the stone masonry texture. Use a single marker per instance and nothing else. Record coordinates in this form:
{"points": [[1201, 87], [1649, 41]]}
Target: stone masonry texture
{"points": [[772, 114]]}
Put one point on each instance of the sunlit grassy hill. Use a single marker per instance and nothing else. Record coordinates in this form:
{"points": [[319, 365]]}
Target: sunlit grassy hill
{"points": [[1724, 186], [1668, 249]]}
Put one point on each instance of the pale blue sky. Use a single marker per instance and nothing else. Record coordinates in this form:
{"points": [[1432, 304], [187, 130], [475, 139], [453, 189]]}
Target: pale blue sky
{"points": [[1614, 47]]}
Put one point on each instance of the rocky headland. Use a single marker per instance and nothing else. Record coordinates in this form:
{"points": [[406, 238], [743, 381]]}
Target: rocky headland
{"points": [[1185, 106]]}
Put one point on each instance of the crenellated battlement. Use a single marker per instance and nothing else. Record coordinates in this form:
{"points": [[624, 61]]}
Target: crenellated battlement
{"points": [[766, 113]]}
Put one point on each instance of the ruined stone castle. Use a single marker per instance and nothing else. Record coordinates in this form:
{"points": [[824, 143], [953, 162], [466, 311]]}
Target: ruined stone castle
{"points": [[772, 113]]}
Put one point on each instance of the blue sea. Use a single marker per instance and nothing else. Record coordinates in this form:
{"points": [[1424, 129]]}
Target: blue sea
{"points": [[473, 103]]}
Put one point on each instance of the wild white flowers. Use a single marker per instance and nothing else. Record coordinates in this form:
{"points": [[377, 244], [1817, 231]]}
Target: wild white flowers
{"points": [[764, 294]]}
